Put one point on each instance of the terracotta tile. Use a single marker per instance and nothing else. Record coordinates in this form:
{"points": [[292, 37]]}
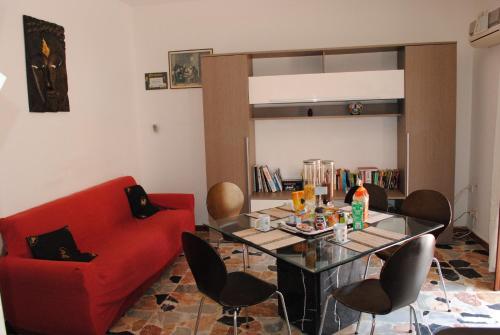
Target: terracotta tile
{"points": [[151, 330], [468, 298], [138, 325]]}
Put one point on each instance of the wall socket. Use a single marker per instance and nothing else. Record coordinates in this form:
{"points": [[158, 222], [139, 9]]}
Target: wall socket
{"points": [[473, 215]]}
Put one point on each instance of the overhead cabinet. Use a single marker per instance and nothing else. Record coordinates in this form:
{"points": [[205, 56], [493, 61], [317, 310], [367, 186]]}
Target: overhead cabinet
{"points": [[327, 87]]}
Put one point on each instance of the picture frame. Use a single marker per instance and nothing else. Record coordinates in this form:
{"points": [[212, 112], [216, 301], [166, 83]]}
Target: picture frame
{"points": [[156, 81], [185, 67]]}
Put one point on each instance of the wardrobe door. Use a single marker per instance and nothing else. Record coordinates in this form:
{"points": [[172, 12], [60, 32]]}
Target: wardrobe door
{"points": [[430, 108], [228, 127]]}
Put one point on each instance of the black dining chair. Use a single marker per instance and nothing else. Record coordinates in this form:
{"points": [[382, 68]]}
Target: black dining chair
{"points": [[234, 290], [399, 284], [427, 205], [378, 197]]}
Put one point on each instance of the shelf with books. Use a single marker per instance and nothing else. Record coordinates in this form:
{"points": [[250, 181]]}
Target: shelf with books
{"points": [[286, 195]]}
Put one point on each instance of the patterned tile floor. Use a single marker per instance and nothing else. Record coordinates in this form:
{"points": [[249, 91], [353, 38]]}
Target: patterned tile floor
{"points": [[171, 304]]}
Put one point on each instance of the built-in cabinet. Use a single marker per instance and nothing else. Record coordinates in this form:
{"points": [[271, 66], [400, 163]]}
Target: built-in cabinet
{"points": [[426, 127], [229, 128], [425, 110]]}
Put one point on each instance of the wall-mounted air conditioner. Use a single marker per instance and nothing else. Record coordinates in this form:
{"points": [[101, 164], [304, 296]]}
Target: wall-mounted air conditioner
{"points": [[484, 32], [327, 87]]}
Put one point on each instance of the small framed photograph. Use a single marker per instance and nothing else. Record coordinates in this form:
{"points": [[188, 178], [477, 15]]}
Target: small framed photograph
{"points": [[185, 67], [156, 81]]}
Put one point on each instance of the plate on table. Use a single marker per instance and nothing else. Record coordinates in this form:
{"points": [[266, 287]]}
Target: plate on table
{"points": [[313, 232]]}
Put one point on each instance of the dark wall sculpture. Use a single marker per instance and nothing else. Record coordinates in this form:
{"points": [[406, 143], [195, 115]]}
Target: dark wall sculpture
{"points": [[45, 66]]}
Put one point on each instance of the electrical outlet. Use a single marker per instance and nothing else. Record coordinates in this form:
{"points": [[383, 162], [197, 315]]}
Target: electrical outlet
{"points": [[473, 215], [473, 188]]}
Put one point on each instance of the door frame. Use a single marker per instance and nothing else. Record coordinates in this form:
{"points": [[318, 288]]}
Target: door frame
{"points": [[497, 268]]}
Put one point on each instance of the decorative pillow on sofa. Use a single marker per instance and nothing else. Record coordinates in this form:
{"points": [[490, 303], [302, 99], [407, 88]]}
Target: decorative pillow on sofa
{"points": [[57, 245], [139, 202]]}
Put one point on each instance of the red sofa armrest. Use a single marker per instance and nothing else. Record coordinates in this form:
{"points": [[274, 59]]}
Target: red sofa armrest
{"points": [[37, 293], [173, 200]]}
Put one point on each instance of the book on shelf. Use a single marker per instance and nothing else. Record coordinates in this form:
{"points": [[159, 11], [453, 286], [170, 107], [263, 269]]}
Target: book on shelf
{"points": [[365, 173], [266, 180], [387, 178]]}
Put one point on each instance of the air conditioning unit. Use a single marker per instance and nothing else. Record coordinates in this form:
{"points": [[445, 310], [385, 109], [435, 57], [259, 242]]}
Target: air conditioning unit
{"points": [[484, 32]]}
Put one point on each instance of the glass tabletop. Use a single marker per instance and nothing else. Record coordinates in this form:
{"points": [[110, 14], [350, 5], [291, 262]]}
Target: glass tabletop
{"points": [[317, 253]]}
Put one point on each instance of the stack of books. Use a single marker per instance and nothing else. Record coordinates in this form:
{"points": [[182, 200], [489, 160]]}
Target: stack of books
{"points": [[265, 180], [388, 179]]}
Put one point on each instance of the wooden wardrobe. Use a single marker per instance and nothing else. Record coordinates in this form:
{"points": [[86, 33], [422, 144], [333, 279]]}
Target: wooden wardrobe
{"points": [[426, 128], [426, 117], [229, 129]]}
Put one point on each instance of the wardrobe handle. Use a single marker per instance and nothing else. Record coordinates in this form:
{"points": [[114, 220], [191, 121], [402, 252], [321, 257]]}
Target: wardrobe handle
{"points": [[249, 182], [407, 177]]}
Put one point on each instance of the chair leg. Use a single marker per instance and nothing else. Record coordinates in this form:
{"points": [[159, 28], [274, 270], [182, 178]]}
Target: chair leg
{"points": [[367, 265], [199, 314], [410, 330], [441, 278], [357, 326], [417, 328], [373, 325], [244, 257], [323, 315], [248, 256], [235, 321], [282, 298]]}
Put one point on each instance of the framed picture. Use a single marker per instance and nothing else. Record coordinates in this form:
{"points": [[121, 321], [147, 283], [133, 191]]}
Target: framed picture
{"points": [[156, 81], [185, 67]]}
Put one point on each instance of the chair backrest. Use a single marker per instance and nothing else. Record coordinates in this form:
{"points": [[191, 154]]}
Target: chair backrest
{"points": [[428, 205], [224, 200], [378, 197], [403, 275], [208, 268]]}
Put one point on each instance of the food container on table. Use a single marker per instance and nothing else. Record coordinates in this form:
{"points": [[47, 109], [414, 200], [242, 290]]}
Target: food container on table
{"points": [[340, 231], [310, 174], [327, 180]]}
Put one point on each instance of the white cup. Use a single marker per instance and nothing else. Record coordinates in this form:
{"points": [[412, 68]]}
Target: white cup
{"points": [[340, 230], [263, 223]]}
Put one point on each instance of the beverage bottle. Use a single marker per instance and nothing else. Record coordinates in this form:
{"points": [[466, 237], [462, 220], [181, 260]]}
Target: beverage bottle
{"points": [[357, 215], [361, 195]]}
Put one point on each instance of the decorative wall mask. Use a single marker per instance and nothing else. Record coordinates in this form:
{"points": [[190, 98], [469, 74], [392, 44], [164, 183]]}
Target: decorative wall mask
{"points": [[45, 66]]}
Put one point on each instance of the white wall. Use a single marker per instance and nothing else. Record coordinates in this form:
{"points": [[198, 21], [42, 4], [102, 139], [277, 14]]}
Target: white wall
{"points": [[45, 156], [485, 147], [351, 143], [174, 158]]}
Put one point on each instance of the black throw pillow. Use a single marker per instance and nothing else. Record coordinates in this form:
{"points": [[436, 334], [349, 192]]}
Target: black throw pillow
{"points": [[139, 202], [57, 245]]}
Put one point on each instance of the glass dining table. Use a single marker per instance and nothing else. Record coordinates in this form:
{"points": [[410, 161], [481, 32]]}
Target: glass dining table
{"points": [[308, 270]]}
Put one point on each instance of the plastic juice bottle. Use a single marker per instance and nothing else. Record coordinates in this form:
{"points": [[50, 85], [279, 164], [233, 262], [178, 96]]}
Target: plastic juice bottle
{"points": [[357, 215], [361, 195]]}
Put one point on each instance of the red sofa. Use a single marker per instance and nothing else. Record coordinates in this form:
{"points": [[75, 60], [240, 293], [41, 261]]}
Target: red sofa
{"points": [[54, 297]]}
